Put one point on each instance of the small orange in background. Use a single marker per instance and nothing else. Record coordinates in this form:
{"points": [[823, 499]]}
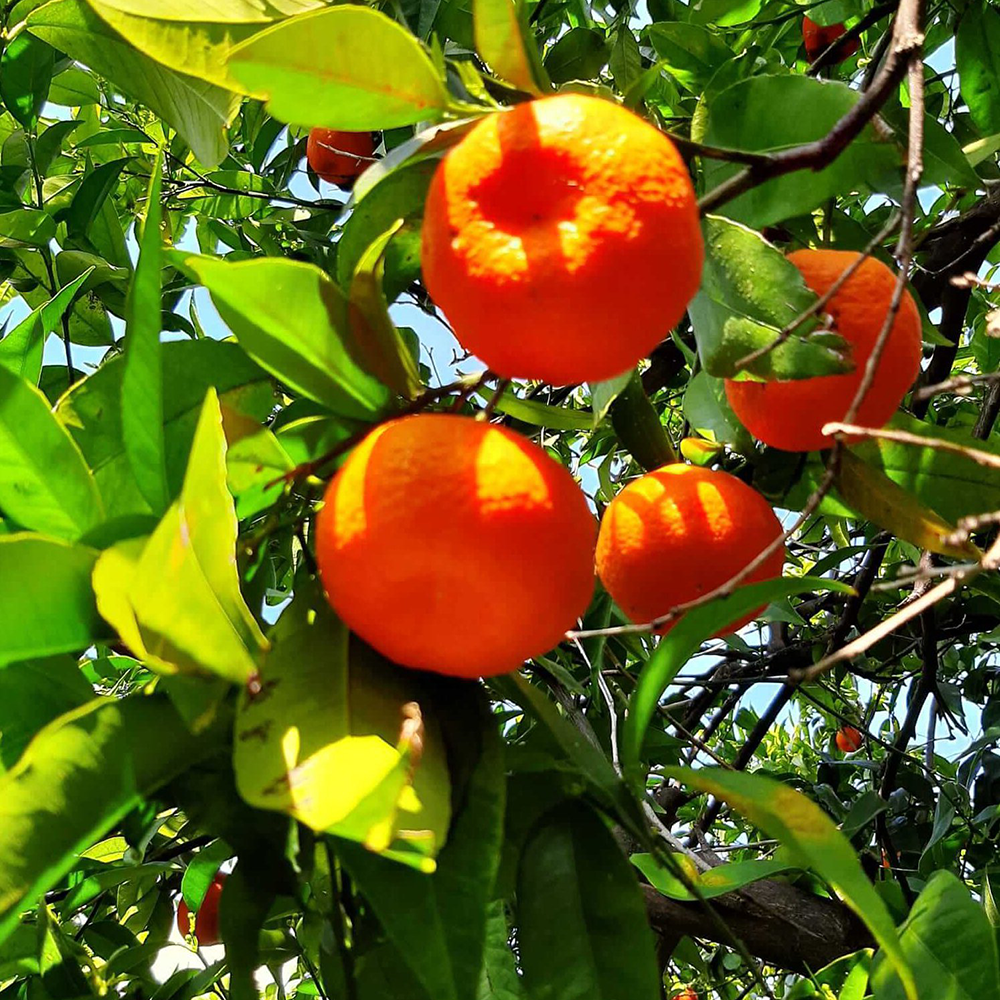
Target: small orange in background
{"points": [[790, 415], [817, 38], [679, 532], [848, 739], [455, 546], [561, 239], [687, 993], [206, 921], [339, 157]]}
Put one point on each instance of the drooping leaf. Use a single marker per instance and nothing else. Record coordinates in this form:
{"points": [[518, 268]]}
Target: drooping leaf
{"points": [[25, 75], [768, 113], [438, 921], [582, 929], [291, 319], [92, 412], [89, 767], [198, 110], [142, 378], [46, 601], [345, 67], [683, 641], [45, 484], [330, 743], [175, 599], [977, 57], [21, 349], [814, 841], [32, 694], [713, 882], [190, 37], [749, 292], [504, 41]]}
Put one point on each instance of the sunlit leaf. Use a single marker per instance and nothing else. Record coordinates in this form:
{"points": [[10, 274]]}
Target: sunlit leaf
{"points": [[506, 45]]}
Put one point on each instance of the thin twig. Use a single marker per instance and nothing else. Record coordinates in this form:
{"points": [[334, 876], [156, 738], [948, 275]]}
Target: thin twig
{"points": [[984, 458]]}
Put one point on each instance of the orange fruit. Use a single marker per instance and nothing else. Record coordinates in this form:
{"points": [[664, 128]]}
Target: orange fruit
{"points": [[206, 921], [848, 739], [561, 239], [455, 546], [685, 994], [679, 532], [791, 415], [338, 157], [818, 37]]}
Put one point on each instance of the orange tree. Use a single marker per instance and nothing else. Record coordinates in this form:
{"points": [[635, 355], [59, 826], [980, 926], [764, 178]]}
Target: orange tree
{"points": [[196, 627]]}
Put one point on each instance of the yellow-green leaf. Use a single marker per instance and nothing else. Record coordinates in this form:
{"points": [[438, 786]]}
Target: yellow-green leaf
{"points": [[503, 41]]}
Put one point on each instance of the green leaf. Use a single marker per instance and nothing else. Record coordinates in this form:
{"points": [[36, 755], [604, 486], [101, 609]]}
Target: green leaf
{"points": [[748, 293], [290, 317], [953, 486], [504, 40], [582, 929], [531, 411], [438, 921], [45, 484], [194, 39], [201, 872], [377, 341], [175, 599], [398, 195], [626, 59], [89, 768], [684, 640], [578, 55], [21, 349], [603, 394], [707, 409], [878, 499], [768, 113], [714, 882], [689, 52], [46, 601], [243, 908], [142, 379], [25, 74], [74, 88], [345, 67], [638, 426], [93, 414], [26, 227], [95, 190], [815, 842], [950, 945], [977, 56], [199, 111], [329, 746], [32, 694], [499, 979]]}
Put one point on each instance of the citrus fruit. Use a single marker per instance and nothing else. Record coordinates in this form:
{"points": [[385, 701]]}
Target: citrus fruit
{"points": [[817, 38], [679, 532], [561, 239], [338, 157], [791, 415], [455, 546], [848, 739], [206, 921]]}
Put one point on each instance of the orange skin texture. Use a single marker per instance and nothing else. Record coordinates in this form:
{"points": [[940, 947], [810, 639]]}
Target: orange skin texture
{"points": [[455, 546], [338, 157], [790, 415], [817, 38], [561, 239], [687, 994], [206, 921], [848, 739], [679, 532]]}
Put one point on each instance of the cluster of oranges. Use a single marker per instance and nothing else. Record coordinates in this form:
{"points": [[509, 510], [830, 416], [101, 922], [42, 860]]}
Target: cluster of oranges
{"points": [[562, 241]]}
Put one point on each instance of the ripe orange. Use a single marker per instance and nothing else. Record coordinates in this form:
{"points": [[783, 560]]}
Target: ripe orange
{"points": [[679, 532], [206, 921], [455, 546], [848, 739], [817, 38], [561, 239], [685, 994], [791, 415], [338, 157]]}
